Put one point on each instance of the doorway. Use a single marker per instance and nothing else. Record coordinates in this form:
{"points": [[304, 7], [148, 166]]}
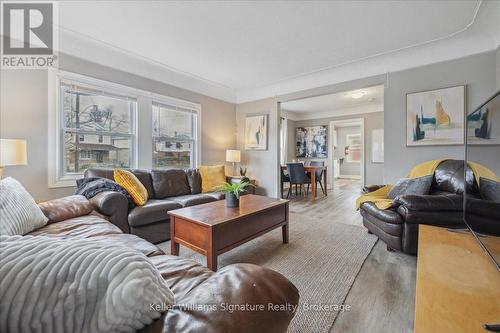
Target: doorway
{"points": [[347, 151]]}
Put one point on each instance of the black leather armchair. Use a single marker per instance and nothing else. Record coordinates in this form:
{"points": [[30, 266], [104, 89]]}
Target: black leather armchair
{"points": [[443, 206]]}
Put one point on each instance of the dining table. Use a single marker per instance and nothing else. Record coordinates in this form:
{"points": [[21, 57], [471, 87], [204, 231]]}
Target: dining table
{"points": [[311, 170]]}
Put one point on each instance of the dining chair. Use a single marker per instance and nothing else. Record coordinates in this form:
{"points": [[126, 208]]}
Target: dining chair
{"points": [[319, 173], [284, 179], [298, 176]]}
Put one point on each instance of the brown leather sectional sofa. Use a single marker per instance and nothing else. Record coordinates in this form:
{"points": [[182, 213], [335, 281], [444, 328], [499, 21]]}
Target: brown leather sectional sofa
{"points": [[200, 294], [167, 190]]}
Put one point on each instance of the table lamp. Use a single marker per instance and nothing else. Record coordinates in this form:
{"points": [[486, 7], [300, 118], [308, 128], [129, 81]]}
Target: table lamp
{"points": [[12, 152], [233, 156]]}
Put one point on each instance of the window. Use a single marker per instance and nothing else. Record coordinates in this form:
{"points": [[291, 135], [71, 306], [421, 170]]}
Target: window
{"points": [[174, 136], [93, 124], [97, 128], [353, 148], [85, 155]]}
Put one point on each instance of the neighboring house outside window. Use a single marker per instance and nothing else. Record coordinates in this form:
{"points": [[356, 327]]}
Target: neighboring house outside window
{"points": [[174, 137], [104, 123], [95, 128], [93, 124]]}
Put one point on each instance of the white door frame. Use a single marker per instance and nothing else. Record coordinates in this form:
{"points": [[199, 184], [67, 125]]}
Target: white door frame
{"points": [[344, 123]]}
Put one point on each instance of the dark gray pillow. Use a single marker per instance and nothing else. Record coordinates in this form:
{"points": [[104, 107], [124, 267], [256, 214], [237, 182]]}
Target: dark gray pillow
{"points": [[170, 183], [490, 189], [418, 186]]}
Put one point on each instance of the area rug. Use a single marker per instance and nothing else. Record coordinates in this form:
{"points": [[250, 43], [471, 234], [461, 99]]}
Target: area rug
{"points": [[322, 259]]}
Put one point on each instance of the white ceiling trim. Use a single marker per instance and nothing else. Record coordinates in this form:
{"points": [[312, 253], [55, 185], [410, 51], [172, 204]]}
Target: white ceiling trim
{"points": [[82, 46], [362, 109], [467, 26], [476, 37], [380, 65]]}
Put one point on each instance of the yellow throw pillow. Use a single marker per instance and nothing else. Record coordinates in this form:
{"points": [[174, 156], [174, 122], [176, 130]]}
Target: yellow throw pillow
{"points": [[132, 185], [211, 177]]}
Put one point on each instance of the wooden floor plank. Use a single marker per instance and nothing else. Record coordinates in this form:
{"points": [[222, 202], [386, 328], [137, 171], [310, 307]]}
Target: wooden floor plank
{"points": [[382, 297]]}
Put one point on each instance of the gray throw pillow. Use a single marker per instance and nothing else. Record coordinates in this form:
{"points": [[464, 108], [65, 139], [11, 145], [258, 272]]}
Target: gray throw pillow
{"points": [[418, 186], [18, 210], [490, 189]]}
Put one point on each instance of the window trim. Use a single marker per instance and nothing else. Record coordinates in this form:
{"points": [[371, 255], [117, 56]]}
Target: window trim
{"points": [[194, 108], [144, 106], [56, 177]]}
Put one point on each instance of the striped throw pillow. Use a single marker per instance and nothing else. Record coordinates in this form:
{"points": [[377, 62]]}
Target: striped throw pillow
{"points": [[132, 185], [18, 210]]}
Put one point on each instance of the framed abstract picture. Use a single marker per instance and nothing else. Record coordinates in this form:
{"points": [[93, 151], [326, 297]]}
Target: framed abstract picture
{"points": [[311, 142], [256, 132], [483, 124], [435, 117]]}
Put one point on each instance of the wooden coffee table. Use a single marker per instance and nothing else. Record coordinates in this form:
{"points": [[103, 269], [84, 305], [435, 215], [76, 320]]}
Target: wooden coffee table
{"points": [[212, 228]]}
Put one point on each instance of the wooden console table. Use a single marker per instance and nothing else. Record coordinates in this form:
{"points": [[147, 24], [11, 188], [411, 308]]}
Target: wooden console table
{"points": [[458, 286]]}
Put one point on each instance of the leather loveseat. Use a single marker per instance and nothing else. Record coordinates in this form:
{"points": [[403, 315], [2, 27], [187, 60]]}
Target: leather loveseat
{"points": [[200, 294], [443, 207], [167, 190]]}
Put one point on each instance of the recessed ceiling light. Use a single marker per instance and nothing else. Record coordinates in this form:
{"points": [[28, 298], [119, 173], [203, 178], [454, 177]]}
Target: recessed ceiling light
{"points": [[358, 94]]}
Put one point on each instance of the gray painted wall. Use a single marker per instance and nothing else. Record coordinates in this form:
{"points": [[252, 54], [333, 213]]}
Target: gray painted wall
{"points": [[24, 116], [262, 164], [498, 67], [476, 72], [373, 171], [347, 168]]}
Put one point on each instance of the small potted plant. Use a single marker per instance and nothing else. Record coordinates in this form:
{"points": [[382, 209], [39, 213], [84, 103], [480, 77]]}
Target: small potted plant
{"points": [[233, 192]]}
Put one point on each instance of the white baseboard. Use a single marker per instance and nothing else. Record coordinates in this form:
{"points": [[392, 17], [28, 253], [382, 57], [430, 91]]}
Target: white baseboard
{"points": [[350, 176]]}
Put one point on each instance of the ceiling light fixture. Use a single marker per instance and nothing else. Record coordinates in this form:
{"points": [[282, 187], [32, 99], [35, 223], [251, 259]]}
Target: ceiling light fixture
{"points": [[358, 94]]}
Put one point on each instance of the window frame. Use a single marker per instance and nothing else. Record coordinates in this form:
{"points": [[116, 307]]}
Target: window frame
{"points": [[57, 177], [142, 141], [189, 106]]}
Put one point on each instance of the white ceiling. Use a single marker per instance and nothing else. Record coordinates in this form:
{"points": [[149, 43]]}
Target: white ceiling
{"points": [[246, 50], [338, 104]]}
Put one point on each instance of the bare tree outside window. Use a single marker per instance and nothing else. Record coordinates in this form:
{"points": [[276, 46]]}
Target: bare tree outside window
{"points": [[97, 128]]}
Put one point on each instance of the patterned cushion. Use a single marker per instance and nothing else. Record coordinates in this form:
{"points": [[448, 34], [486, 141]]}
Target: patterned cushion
{"points": [[211, 177], [132, 185], [18, 210], [418, 186]]}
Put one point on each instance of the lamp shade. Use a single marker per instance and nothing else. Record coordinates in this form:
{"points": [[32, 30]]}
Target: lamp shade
{"points": [[12, 152], [233, 156]]}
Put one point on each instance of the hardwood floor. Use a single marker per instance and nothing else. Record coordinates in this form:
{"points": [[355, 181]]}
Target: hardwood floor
{"points": [[337, 206], [382, 298]]}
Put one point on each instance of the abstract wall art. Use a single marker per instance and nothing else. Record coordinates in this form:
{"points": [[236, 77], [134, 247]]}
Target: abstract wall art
{"points": [[311, 142], [256, 132], [483, 124], [435, 117]]}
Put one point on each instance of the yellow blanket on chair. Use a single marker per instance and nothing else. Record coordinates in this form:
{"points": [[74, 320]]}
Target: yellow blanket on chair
{"points": [[380, 199]]}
